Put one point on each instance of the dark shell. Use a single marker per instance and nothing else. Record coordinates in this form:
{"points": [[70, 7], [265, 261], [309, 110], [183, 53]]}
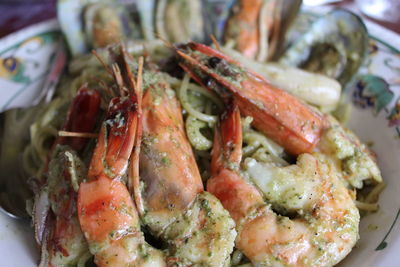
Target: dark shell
{"points": [[336, 45], [106, 24]]}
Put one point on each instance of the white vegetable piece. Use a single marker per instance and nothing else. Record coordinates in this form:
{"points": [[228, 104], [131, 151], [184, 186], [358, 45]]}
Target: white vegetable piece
{"points": [[313, 88]]}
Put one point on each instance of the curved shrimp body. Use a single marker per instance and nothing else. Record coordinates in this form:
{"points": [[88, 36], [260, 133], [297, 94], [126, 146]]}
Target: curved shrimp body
{"points": [[62, 242], [325, 224], [110, 222], [168, 169], [169, 192], [279, 115], [107, 214], [106, 211]]}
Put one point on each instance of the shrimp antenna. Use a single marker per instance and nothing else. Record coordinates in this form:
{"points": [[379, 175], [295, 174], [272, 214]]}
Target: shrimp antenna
{"points": [[124, 57], [165, 41], [118, 78], [140, 79], [134, 166], [77, 134], [215, 42], [94, 52]]}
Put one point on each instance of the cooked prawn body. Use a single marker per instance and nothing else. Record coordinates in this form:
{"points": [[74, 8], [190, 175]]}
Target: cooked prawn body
{"points": [[107, 213], [325, 224], [279, 115], [62, 241], [111, 225], [168, 170], [242, 27], [172, 201]]}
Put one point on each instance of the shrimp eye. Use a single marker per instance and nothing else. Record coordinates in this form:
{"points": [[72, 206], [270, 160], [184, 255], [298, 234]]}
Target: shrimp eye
{"points": [[213, 62], [209, 82]]}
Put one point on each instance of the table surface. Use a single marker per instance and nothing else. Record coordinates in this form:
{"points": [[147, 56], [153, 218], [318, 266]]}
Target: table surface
{"points": [[14, 15]]}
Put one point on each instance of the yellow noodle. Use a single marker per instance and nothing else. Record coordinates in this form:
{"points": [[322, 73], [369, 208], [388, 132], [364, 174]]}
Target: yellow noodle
{"points": [[174, 82], [374, 194], [251, 136], [367, 206], [84, 259], [237, 257], [188, 107]]}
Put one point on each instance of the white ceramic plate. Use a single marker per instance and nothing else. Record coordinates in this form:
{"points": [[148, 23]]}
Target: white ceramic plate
{"points": [[374, 107], [376, 119]]}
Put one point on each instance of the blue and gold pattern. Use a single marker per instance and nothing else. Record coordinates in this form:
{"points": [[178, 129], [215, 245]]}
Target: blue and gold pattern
{"points": [[11, 68], [371, 91], [24, 66]]}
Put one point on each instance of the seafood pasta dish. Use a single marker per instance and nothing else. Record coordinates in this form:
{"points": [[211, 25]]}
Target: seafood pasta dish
{"points": [[188, 139]]}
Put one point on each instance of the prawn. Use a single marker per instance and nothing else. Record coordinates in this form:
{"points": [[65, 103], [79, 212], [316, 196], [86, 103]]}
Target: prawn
{"points": [[169, 191], [106, 211], [276, 113], [325, 224], [57, 229]]}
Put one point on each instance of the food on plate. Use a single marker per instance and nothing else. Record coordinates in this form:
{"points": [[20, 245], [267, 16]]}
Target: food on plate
{"points": [[187, 154]]}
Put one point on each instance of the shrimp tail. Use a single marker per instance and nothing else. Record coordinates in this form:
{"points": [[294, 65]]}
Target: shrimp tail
{"points": [[225, 183], [228, 140]]}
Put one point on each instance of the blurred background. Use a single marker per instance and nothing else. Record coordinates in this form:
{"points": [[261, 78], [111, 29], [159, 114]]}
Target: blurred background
{"points": [[16, 14]]}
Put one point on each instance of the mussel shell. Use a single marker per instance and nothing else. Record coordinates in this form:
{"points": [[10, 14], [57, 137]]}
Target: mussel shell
{"points": [[216, 13], [336, 45], [79, 18], [106, 24], [180, 20], [69, 13], [146, 10], [289, 12]]}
